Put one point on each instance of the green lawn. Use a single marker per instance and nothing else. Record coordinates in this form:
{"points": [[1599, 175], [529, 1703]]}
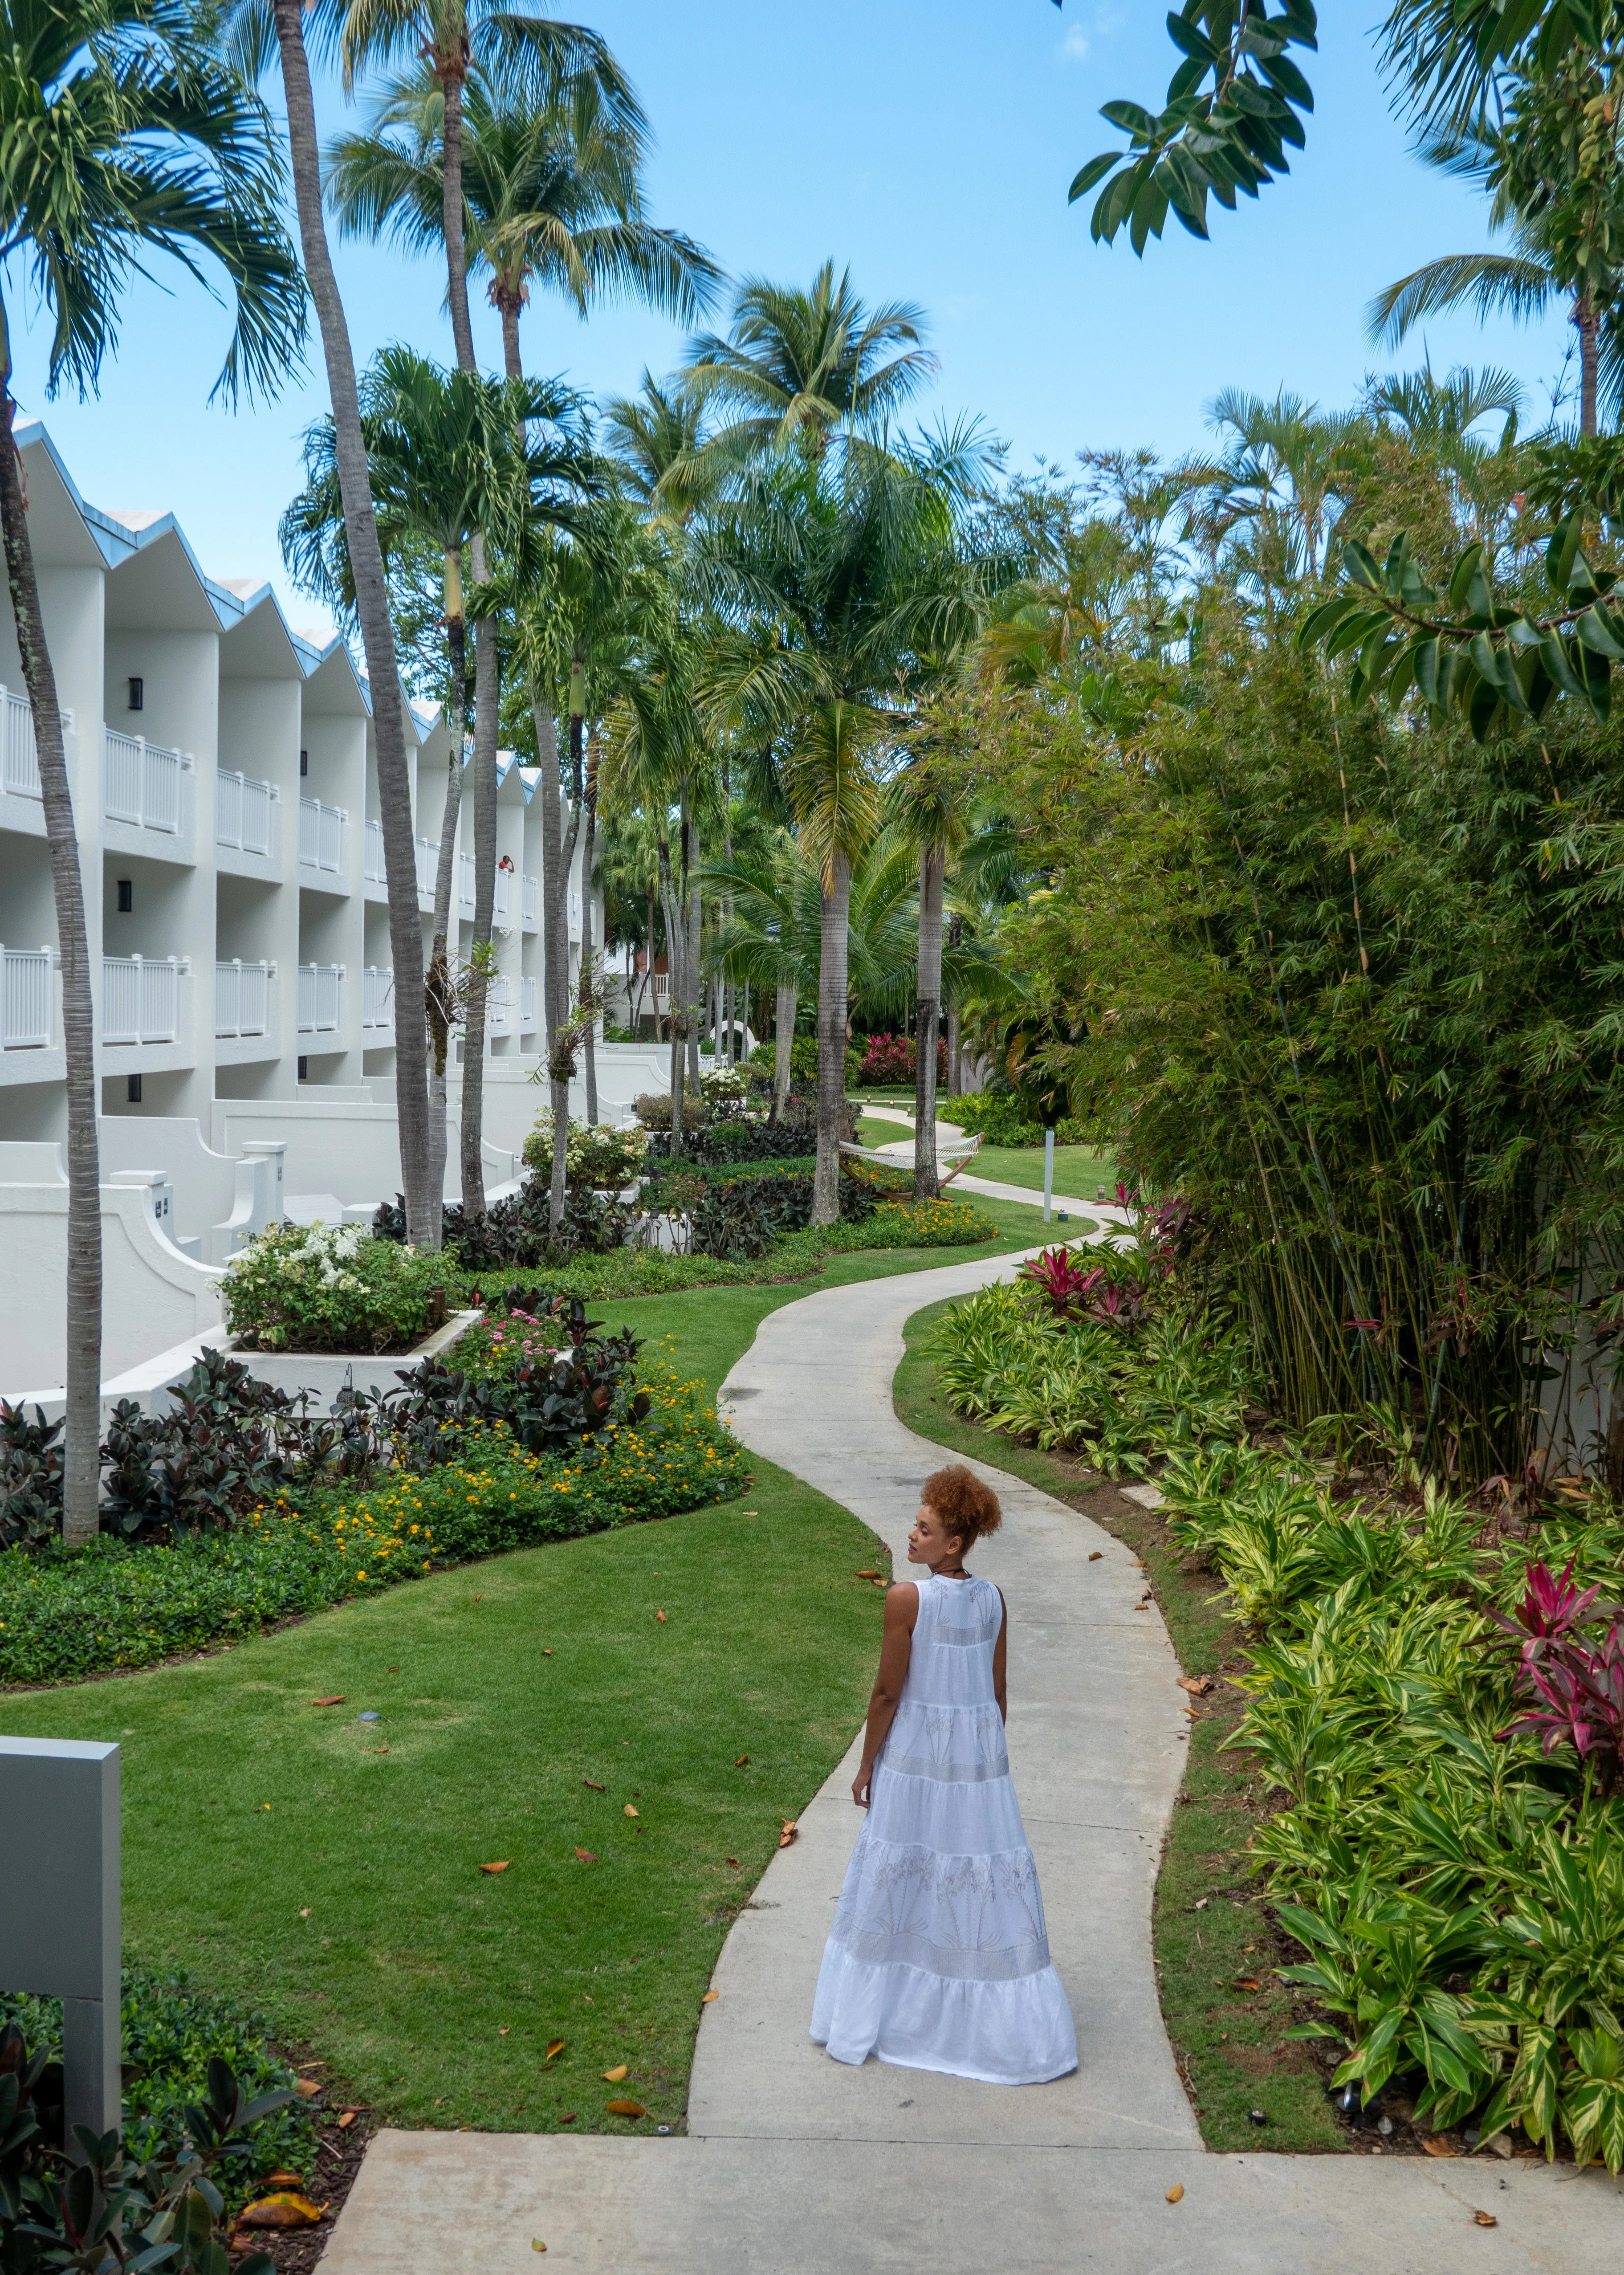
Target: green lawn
{"points": [[1078, 1170], [326, 1870], [1231, 2040]]}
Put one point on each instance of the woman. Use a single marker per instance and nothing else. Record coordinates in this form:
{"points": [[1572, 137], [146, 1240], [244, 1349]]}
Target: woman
{"points": [[939, 1958]]}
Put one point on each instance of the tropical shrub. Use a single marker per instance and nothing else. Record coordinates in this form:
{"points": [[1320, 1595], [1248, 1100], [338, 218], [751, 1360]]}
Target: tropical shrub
{"points": [[802, 1059], [739, 1138], [601, 1157], [171, 2033], [1002, 1119], [299, 1287], [31, 1457], [653, 1109], [890, 1061], [166, 2209], [723, 1084]]}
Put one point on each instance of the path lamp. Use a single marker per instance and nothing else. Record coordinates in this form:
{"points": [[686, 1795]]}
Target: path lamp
{"points": [[59, 1926]]}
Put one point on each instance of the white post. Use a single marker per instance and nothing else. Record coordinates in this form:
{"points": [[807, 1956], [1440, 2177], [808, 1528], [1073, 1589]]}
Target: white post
{"points": [[1048, 1172]]}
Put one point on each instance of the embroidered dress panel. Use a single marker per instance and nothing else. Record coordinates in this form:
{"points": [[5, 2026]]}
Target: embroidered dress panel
{"points": [[939, 1957]]}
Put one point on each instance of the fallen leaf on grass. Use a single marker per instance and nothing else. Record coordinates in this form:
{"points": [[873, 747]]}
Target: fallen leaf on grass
{"points": [[305, 1913], [871, 1576], [709, 1997], [555, 2047], [347, 2119], [1197, 1685], [788, 1833], [379, 1750], [586, 1855], [660, 1616], [1177, 2192], [614, 2076], [594, 1786], [287, 2209], [502, 1867], [503, 2028], [630, 1811], [625, 2109], [734, 1861], [337, 1700], [1436, 2145], [570, 2119], [741, 1761], [1246, 1982], [1484, 2220], [308, 2086]]}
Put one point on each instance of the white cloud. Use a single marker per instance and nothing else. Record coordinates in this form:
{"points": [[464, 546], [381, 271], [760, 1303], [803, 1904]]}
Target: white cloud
{"points": [[1073, 47]]}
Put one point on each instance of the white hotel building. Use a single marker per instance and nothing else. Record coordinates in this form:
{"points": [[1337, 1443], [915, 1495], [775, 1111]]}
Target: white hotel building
{"points": [[225, 793]]}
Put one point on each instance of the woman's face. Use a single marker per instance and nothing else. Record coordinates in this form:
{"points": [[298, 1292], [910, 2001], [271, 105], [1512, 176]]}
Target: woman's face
{"points": [[930, 1542]]}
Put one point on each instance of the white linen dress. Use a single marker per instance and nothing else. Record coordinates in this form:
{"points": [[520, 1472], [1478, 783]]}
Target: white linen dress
{"points": [[939, 1958]]}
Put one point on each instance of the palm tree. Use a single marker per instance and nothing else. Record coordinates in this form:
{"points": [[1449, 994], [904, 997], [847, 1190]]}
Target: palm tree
{"points": [[123, 136], [655, 439], [800, 364], [842, 577], [452, 454], [249, 29], [548, 199]]}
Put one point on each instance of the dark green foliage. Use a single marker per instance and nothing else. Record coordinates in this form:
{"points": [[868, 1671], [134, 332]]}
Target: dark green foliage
{"points": [[734, 1138], [30, 1475], [1002, 1119]]}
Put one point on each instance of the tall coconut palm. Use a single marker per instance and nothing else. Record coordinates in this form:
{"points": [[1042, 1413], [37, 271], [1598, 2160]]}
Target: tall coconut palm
{"points": [[550, 199], [452, 454], [842, 577], [798, 364], [250, 31], [121, 136], [655, 439]]}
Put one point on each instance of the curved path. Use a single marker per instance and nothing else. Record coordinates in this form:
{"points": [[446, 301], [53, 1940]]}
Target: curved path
{"points": [[793, 2162]]}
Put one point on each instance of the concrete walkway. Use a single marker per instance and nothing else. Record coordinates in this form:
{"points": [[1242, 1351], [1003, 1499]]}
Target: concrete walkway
{"points": [[793, 2162], [1064, 1204]]}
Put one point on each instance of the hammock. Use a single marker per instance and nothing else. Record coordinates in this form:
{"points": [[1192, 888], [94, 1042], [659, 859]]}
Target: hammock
{"points": [[960, 1151]]}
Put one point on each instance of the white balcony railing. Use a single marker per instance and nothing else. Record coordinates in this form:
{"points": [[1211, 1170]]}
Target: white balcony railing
{"points": [[575, 913], [243, 816], [24, 998], [140, 998], [500, 1003], [140, 782], [378, 998], [372, 860], [242, 998], [501, 905], [19, 761], [527, 1001], [427, 850], [320, 836], [531, 902], [320, 998]]}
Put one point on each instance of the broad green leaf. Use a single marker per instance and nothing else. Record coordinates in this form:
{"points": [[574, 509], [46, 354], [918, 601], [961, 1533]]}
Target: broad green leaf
{"points": [[1132, 118], [1358, 565], [1190, 42], [1594, 630], [1554, 654], [1461, 576], [1096, 170], [1563, 550]]}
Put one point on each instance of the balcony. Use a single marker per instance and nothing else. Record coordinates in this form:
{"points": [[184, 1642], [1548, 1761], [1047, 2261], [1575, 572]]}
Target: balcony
{"points": [[140, 998], [242, 999], [428, 850], [528, 1003], [502, 904], [575, 913], [143, 784], [19, 760], [322, 838], [246, 812], [373, 871], [377, 1000], [501, 1002], [320, 998], [26, 994]]}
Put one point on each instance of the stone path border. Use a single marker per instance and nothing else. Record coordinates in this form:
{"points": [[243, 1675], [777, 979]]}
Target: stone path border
{"points": [[793, 2163]]}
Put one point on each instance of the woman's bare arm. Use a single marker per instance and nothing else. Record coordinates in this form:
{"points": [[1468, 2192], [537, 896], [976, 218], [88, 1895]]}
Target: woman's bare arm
{"points": [[901, 1610], [1000, 1660]]}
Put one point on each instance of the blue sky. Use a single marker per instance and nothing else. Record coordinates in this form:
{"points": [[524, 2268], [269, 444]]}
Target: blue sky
{"points": [[928, 144]]}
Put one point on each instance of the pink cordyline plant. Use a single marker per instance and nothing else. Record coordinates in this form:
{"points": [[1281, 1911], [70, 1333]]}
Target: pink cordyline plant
{"points": [[1072, 1293], [1573, 1684]]}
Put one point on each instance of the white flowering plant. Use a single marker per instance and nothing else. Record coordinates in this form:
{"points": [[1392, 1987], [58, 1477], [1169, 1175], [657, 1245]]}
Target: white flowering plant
{"points": [[322, 1287], [606, 1159]]}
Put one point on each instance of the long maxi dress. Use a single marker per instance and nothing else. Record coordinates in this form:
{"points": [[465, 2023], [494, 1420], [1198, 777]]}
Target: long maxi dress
{"points": [[939, 1958]]}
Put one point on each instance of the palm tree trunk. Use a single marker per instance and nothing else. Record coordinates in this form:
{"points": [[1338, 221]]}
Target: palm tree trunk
{"points": [[377, 639], [1585, 319], [546, 751], [932, 865], [440, 993], [836, 908], [508, 305], [784, 1040], [566, 864], [82, 1433], [450, 76], [587, 861], [956, 1079], [691, 955], [675, 992], [485, 735]]}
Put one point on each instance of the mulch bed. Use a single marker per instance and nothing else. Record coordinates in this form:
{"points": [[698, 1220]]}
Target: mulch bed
{"points": [[339, 2151]]}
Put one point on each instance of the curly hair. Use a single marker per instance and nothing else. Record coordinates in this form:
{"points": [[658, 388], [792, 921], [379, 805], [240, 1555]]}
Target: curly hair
{"points": [[967, 1509]]}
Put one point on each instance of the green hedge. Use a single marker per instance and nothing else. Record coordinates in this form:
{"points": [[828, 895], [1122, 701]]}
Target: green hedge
{"points": [[999, 1117], [68, 1613]]}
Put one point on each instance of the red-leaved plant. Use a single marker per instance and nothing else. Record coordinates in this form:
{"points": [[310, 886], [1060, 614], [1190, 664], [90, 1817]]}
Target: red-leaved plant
{"points": [[1574, 1683], [1072, 1293]]}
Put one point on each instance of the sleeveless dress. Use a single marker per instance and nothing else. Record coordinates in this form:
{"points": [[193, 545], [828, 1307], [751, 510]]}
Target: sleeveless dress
{"points": [[939, 1958]]}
